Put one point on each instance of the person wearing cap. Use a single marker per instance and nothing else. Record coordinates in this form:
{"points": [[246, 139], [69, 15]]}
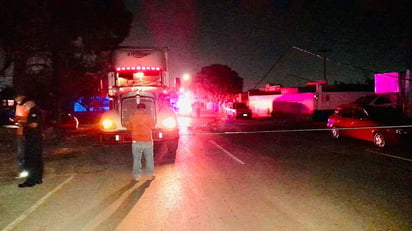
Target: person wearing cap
{"points": [[140, 124], [33, 162]]}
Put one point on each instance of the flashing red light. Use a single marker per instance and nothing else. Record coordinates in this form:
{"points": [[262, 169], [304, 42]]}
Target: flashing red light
{"points": [[144, 68]]}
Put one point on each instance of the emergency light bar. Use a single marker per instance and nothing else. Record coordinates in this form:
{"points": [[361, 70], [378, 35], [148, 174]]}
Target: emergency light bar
{"points": [[138, 68]]}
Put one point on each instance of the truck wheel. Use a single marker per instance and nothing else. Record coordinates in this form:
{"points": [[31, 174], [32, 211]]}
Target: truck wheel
{"points": [[165, 152], [172, 148]]}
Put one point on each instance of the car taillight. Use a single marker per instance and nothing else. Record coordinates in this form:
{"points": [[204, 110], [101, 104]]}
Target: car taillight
{"points": [[108, 124], [169, 122]]}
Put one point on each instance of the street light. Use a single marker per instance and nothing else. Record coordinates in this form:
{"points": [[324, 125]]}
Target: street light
{"points": [[186, 77], [186, 80]]}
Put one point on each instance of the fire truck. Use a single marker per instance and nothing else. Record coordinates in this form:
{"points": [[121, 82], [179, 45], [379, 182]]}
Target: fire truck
{"points": [[140, 75]]}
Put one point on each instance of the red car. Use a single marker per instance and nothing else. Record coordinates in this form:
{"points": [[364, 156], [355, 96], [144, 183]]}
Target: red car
{"points": [[381, 125]]}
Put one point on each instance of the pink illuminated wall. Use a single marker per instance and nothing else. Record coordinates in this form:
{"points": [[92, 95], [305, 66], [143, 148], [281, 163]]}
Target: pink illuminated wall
{"points": [[264, 105], [299, 103], [387, 83]]}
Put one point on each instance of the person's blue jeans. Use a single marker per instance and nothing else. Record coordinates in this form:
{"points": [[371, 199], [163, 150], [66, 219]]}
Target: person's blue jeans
{"points": [[20, 152], [145, 148]]}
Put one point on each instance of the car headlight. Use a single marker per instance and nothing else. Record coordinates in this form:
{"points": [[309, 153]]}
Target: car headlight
{"points": [[108, 124], [169, 122]]}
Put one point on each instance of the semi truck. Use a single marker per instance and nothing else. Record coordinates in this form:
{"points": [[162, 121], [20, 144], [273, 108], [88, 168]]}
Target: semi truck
{"points": [[140, 75]]}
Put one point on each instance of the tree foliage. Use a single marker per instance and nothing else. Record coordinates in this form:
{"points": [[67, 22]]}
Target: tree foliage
{"points": [[61, 48], [217, 80]]}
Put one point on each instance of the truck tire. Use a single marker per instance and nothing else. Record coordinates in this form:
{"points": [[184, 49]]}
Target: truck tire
{"points": [[171, 149], [165, 152]]}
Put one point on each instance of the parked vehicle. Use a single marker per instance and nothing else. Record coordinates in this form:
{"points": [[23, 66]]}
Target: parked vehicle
{"points": [[140, 75], [381, 125], [379, 100], [66, 121], [238, 111]]}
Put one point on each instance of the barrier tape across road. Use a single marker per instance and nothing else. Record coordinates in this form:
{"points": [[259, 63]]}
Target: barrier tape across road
{"points": [[311, 130], [294, 130]]}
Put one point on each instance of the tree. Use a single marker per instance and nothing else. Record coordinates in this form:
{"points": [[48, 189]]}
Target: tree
{"points": [[60, 48], [217, 81]]}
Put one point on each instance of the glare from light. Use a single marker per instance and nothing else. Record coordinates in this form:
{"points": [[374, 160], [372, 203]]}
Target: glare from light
{"points": [[107, 124], [185, 102], [24, 174], [186, 77], [169, 122]]}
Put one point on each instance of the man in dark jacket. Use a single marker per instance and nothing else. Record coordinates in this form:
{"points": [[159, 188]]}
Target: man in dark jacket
{"points": [[20, 119], [33, 162]]}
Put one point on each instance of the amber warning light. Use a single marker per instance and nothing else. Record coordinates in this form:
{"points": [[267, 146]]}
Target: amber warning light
{"points": [[138, 68]]}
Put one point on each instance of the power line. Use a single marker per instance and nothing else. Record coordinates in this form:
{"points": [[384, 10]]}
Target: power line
{"points": [[313, 54], [272, 67]]}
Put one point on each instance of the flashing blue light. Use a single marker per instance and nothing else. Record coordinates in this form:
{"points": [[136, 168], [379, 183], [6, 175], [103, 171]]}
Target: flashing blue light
{"points": [[96, 103]]}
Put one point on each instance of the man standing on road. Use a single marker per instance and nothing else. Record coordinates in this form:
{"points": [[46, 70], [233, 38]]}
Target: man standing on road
{"points": [[140, 124], [33, 161], [20, 119]]}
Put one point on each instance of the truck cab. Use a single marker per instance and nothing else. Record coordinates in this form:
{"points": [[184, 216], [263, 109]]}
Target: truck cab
{"points": [[140, 76]]}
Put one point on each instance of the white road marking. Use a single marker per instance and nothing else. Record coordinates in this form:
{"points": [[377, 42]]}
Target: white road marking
{"points": [[26, 213], [388, 155], [108, 211], [227, 152]]}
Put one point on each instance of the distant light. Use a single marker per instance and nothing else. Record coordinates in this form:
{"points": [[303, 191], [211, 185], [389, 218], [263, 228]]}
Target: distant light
{"points": [[186, 77]]}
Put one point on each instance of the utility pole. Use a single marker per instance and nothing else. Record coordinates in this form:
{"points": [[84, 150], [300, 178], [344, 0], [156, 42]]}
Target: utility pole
{"points": [[318, 56], [324, 61]]}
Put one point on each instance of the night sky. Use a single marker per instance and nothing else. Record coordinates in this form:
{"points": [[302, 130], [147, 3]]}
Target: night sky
{"points": [[360, 37]]}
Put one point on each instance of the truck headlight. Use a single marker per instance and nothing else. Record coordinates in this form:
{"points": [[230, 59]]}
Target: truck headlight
{"points": [[108, 124], [169, 122]]}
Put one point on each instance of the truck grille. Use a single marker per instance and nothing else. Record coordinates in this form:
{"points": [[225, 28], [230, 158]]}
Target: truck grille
{"points": [[129, 107]]}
